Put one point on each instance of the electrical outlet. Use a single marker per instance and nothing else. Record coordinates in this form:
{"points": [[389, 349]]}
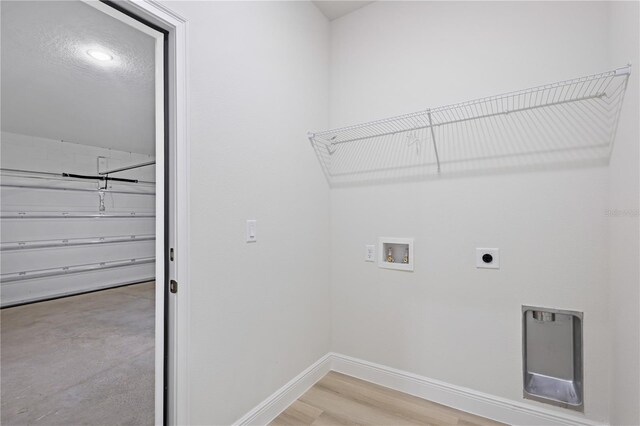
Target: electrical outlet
{"points": [[370, 253], [488, 258]]}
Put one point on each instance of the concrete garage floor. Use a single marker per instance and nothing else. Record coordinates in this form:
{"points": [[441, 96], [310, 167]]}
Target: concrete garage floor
{"points": [[80, 360]]}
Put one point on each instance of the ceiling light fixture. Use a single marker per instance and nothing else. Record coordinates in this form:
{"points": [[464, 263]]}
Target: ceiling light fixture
{"points": [[99, 55]]}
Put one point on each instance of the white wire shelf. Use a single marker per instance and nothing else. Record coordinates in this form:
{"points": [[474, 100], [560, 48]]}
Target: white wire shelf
{"points": [[572, 121]]}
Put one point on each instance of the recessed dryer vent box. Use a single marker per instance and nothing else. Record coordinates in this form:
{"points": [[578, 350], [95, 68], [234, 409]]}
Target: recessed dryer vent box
{"points": [[552, 356], [395, 253]]}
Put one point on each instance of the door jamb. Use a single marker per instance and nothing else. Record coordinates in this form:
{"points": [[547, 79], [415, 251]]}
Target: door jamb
{"points": [[174, 400]]}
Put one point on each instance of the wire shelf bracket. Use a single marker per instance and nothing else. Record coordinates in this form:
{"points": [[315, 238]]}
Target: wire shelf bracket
{"points": [[568, 121]]}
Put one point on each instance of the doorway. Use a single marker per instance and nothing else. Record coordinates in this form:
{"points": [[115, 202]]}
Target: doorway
{"points": [[85, 215]]}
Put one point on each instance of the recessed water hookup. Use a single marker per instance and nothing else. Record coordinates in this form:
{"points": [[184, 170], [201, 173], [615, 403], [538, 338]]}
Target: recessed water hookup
{"points": [[395, 253]]}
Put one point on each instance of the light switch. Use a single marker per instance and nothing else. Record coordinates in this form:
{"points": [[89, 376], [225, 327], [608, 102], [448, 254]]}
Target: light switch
{"points": [[370, 253], [252, 231]]}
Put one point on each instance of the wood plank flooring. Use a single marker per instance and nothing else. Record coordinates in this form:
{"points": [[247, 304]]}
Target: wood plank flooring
{"points": [[338, 399]]}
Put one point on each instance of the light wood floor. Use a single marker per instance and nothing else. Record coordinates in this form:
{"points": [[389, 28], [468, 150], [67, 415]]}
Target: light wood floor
{"points": [[338, 399]]}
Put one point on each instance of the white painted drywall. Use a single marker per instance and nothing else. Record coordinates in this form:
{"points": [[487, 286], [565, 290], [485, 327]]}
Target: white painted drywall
{"points": [[624, 228], [46, 155], [259, 313], [448, 320]]}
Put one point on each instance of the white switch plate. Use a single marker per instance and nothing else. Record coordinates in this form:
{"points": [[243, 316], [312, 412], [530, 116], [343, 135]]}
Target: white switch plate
{"points": [[370, 253], [252, 231], [494, 254]]}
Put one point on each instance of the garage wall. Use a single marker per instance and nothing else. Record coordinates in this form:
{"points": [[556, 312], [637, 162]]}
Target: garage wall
{"points": [[52, 226]]}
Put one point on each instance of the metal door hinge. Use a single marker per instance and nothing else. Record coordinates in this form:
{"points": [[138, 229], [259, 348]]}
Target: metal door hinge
{"points": [[173, 286]]}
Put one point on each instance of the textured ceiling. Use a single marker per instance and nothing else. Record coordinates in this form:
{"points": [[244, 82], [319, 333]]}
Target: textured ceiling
{"points": [[51, 88], [334, 9]]}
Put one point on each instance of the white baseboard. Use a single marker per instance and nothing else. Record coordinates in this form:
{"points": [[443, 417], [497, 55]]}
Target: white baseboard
{"points": [[275, 404], [464, 399]]}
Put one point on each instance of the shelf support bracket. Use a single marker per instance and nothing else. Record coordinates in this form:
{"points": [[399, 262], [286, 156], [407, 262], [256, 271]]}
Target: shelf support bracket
{"points": [[433, 138], [311, 136]]}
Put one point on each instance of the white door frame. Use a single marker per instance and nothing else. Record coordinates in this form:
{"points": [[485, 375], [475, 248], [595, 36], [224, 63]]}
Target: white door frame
{"points": [[178, 164], [178, 177]]}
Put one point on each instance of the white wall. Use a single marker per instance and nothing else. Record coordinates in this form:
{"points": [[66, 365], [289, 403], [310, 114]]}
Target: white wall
{"points": [[46, 155], [449, 320], [258, 76], [624, 226]]}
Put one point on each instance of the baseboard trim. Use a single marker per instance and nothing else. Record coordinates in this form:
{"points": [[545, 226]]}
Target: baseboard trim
{"points": [[458, 397], [464, 399], [275, 404]]}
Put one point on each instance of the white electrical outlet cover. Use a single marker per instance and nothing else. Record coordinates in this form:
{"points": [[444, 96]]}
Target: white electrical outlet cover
{"points": [[370, 253], [488, 258]]}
